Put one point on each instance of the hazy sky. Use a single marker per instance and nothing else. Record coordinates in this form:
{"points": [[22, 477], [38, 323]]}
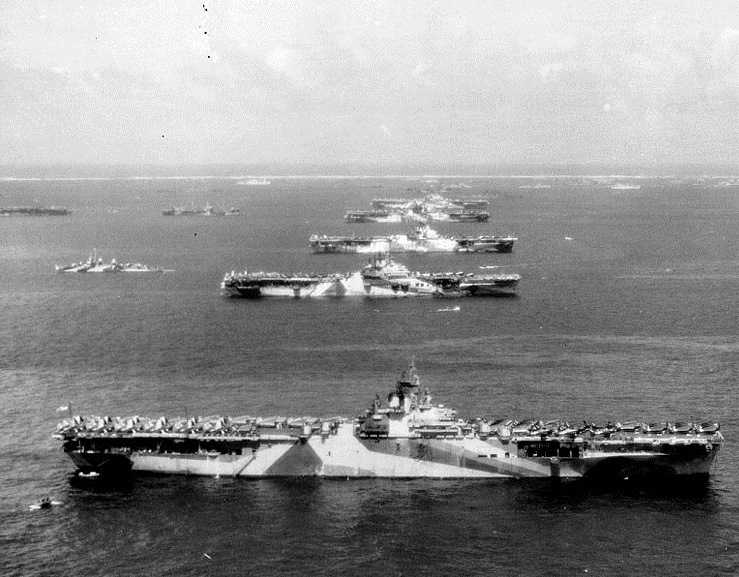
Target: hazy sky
{"points": [[397, 81]]}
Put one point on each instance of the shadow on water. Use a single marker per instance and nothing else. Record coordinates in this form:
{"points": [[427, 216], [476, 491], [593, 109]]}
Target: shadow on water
{"points": [[679, 491], [123, 485], [696, 490]]}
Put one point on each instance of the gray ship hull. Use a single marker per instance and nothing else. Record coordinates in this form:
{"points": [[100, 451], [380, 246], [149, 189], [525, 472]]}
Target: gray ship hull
{"points": [[343, 454], [409, 437]]}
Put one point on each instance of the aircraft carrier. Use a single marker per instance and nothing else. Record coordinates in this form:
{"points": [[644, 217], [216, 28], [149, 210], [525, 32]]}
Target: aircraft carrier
{"points": [[405, 436]]}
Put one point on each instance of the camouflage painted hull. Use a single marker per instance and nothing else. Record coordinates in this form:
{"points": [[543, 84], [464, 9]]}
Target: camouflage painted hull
{"points": [[408, 437], [343, 454]]}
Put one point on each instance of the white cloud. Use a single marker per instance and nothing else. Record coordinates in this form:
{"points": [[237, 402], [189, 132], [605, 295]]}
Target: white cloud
{"points": [[443, 72], [725, 56], [280, 59], [549, 72], [420, 68]]}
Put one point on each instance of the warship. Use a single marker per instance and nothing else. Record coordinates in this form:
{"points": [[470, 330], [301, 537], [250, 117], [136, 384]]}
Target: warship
{"points": [[432, 207], [411, 215], [373, 216], [34, 211], [423, 239], [407, 436], [382, 277], [95, 264], [207, 210]]}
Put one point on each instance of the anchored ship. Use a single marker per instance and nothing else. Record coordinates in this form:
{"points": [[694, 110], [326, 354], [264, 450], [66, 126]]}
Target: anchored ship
{"points": [[417, 216], [408, 436], [430, 203], [95, 264], [373, 216], [423, 239], [34, 210], [429, 208], [207, 210], [382, 277]]}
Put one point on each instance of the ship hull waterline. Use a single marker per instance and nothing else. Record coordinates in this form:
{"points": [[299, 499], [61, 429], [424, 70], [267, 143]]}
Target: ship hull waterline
{"points": [[345, 455]]}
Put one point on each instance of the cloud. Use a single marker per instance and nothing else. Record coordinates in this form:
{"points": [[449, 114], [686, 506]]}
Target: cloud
{"points": [[725, 56], [280, 59], [548, 72], [317, 80]]}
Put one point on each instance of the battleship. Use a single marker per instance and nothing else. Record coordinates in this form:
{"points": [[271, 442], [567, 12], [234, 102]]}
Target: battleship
{"points": [[423, 239], [382, 277], [407, 436]]}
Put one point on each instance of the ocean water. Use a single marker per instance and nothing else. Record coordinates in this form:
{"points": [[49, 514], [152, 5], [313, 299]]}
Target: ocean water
{"points": [[626, 310]]}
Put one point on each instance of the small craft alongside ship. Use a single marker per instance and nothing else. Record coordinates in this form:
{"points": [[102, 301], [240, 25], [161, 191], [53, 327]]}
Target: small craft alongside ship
{"points": [[34, 211], [423, 239], [95, 264], [382, 277], [408, 436], [207, 210]]}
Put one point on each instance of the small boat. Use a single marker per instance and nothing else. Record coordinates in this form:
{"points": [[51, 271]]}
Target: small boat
{"points": [[45, 503], [255, 182]]}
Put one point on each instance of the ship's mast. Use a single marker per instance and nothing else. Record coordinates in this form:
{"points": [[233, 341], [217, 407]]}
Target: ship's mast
{"points": [[405, 395]]}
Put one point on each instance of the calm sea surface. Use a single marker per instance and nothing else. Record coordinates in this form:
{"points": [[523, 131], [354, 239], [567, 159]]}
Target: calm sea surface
{"points": [[627, 310]]}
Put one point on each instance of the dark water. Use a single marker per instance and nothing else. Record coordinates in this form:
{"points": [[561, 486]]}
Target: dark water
{"points": [[626, 310]]}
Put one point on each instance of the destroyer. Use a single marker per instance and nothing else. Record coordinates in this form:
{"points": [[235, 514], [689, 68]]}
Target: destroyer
{"points": [[423, 239], [382, 277], [408, 436], [95, 264]]}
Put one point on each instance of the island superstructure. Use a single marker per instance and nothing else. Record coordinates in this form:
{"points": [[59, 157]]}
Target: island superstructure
{"points": [[408, 436], [381, 277], [423, 239], [432, 207], [95, 264]]}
